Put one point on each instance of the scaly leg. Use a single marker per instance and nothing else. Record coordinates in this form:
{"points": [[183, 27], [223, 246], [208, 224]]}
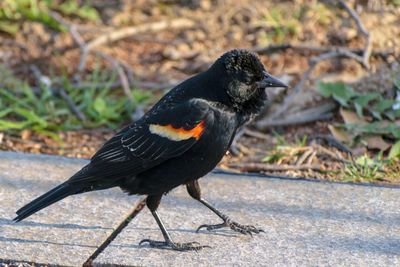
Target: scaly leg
{"points": [[152, 203], [194, 191]]}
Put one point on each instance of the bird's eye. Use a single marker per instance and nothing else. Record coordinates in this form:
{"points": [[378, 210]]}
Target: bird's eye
{"points": [[247, 78]]}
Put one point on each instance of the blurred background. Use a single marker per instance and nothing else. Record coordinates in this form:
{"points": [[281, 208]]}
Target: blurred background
{"points": [[72, 72]]}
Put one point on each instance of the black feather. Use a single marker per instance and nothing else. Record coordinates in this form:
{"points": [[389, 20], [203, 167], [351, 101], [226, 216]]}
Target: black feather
{"points": [[59, 192]]}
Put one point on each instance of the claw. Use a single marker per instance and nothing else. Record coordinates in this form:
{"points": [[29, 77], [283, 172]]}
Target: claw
{"points": [[211, 227], [243, 229], [195, 246]]}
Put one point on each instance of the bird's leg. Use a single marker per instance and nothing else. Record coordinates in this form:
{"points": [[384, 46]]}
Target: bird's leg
{"points": [[152, 203], [193, 189]]}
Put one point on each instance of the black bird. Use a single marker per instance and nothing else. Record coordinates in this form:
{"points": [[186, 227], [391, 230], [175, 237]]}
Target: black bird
{"points": [[178, 141]]}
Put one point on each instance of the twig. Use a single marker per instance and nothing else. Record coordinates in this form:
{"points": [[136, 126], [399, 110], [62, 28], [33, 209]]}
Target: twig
{"points": [[116, 84], [338, 53], [301, 48], [71, 104], [256, 134], [322, 112], [332, 142], [312, 64], [289, 99], [257, 167], [60, 91], [329, 54], [304, 157], [121, 74], [135, 211], [294, 121], [322, 150], [362, 30], [129, 31], [72, 28], [84, 46], [311, 157]]}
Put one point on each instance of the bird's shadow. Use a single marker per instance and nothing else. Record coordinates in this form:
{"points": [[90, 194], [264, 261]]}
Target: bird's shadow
{"points": [[4, 221], [26, 241], [219, 232], [9, 222]]}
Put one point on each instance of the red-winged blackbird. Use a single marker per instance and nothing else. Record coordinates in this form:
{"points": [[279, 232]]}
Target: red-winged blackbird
{"points": [[178, 141]]}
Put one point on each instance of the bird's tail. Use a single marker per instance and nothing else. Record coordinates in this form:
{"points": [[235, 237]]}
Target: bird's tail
{"points": [[54, 195]]}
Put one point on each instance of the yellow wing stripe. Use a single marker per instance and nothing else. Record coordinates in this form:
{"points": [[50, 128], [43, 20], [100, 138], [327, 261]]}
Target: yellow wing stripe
{"points": [[177, 134]]}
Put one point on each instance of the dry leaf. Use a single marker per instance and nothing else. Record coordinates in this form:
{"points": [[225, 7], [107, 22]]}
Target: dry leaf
{"points": [[339, 134], [376, 142], [351, 117], [26, 134]]}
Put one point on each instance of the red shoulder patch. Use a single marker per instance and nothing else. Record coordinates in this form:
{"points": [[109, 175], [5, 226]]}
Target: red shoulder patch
{"points": [[178, 134]]}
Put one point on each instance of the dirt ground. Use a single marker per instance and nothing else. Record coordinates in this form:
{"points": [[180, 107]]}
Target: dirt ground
{"points": [[162, 58]]}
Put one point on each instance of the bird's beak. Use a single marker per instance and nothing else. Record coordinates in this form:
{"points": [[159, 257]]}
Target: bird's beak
{"points": [[271, 81]]}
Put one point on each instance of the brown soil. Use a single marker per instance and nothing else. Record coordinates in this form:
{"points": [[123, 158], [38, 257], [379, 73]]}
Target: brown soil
{"points": [[170, 56]]}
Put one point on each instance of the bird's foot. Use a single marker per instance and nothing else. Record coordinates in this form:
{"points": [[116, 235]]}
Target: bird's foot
{"points": [[191, 246], [243, 229]]}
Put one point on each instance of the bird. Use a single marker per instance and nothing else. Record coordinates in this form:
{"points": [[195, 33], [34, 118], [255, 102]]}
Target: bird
{"points": [[177, 142]]}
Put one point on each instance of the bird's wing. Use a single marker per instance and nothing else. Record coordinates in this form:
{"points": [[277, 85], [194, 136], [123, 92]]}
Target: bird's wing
{"points": [[163, 133]]}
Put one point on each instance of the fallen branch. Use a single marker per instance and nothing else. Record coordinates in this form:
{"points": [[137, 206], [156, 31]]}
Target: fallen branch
{"points": [[306, 48], [312, 64], [72, 28], [322, 150], [83, 46], [331, 142], [362, 30], [304, 157], [294, 121], [256, 134], [329, 54], [259, 167], [322, 112], [121, 74], [129, 31], [114, 85]]}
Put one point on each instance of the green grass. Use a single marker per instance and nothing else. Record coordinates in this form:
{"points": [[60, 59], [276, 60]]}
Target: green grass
{"points": [[284, 25], [367, 169], [14, 12], [45, 112], [285, 149], [364, 169]]}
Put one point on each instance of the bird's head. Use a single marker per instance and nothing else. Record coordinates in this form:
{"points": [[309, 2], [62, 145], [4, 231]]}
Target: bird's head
{"points": [[243, 77]]}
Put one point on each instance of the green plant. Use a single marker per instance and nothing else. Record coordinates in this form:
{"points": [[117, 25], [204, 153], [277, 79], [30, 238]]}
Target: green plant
{"points": [[14, 12], [285, 150], [280, 24], [374, 117], [394, 152], [45, 112], [364, 169]]}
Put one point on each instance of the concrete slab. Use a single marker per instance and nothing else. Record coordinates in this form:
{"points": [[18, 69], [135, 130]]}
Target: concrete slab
{"points": [[306, 223], [65, 233]]}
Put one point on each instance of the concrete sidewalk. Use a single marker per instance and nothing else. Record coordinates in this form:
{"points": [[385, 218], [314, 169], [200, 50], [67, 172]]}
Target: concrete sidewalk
{"points": [[305, 223]]}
